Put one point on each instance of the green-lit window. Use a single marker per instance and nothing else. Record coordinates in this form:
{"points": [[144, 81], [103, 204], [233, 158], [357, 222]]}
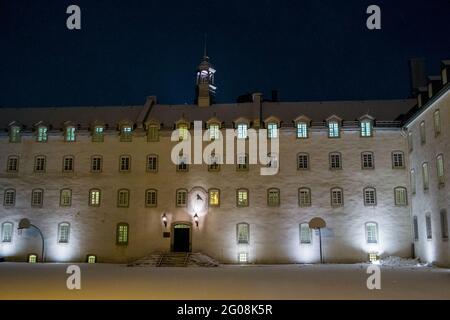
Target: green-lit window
{"points": [[42, 134], [214, 197], [242, 198], [94, 197], [305, 234], [91, 259], [122, 232], [302, 130], [32, 258], [15, 134], [183, 131], [70, 134]]}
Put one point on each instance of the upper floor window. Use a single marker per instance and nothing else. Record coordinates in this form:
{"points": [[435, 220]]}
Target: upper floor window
{"points": [[337, 197], [68, 163], [425, 176], [440, 169], [182, 197], [302, 130], [335, 161], [214, 197], [39, 164], [183, 131], [366, 128], [273, 197], [63, 232], [416, 228], [15, 134], [7, 231], [214, 162], [412, 179], [65, 199], [42, 134], [152, 163], [437, 122], [182, 165], [273, 160], [367, 160], [123, 198], [428, 227], [242, 198], [94, 197], [153, 133], [151, 198], [370, 197], [214, 131], [69, 134], [243, 233], [302, 161], [410, 142], [398, 160], [242, 130], [99, 134], [242, 162], [124, 163], [305, 234], [37, 197], [444, 225], [9, 199], [96, 163], [126, 133], [401, 196], [304, 197], [423, 137], [333, 129], [12, 164], [122, 231], [272, 130], [372, 232]]}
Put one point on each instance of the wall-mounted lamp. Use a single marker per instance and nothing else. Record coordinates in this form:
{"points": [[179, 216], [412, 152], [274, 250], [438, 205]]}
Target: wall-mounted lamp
{"points": [[196, 220], [164, 220]]}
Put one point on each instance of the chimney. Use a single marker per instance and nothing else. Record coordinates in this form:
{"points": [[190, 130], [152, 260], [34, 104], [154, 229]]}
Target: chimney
{"points": [[422, 96], [274, 95], [417, 74], [445, 71], [434, 85]]}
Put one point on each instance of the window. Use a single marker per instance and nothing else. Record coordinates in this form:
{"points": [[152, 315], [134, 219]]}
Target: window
{"points": [[366, 128], [68, 163], [273, 160], [305, 234], [94, 197], [213, 165], [398, 160], [182, 165], [32, 258], [152, 163], [243, 257], [273, 197], [69, 134], [272, 130], [9, 199], [96, 163], [423, 137], [124, 163], [333, 129], [444, 225], [91, 259], [410, 142], [126, 133], [42, 134], [437, 122], [214, 131], [242, 131], [304, 197], [63, 232], [98, 134], [335, 161], [416, 228], [15, 134], [12, 164], [243, 233], [122, 231], [65, 199], [372, 232], [370, 197], [302, 130], [123, 198], [242, 198], [367, 160], [428, 227], [337, 197], [401, 196], [440, 169], [412, 179], [425, 176], [183, 131], [153, 133], [39, 164], [242, 162], [214, 197], [7, 231], [151, 198], [181, 197], [37, 197], [302, 161]]}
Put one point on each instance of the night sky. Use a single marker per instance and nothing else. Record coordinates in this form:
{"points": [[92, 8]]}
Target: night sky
{"points": [[127, 50]]}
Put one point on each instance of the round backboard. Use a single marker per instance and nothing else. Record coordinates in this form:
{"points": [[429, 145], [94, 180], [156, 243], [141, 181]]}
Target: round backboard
{"points": [[317, 223]]}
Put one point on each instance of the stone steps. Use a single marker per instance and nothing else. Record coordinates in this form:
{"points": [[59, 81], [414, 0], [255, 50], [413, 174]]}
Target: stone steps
{"points": [[175, 259]]}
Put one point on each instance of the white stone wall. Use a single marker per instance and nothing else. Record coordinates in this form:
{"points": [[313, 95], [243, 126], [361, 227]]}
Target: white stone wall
{"points": [[436, 198], [274, 232]]}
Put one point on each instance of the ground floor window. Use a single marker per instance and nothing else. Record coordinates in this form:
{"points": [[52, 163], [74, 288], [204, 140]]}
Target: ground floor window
{"points": [[416, 228], [243, 257], [372, 232], [122, 233], [243, 233], [428, 227], [32, 258], [305, 234], [444, 225], [7, 231]]}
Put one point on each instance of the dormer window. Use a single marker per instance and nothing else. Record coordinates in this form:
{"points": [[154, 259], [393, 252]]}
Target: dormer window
{"points": [[15, 134], [42, 134], [153, 133], [272, 130], [69, 135], [302, 130], [242, 130], [183, 131], [366, 128], [126, 133], [214, 131], [98, 134], [333, 129]]}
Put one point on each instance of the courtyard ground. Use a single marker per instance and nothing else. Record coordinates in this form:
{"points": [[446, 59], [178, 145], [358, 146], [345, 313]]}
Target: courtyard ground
{"points": [[330, 281]]}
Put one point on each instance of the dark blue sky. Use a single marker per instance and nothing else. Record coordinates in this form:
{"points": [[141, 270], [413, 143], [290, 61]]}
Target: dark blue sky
{"points": [[126, 50]]}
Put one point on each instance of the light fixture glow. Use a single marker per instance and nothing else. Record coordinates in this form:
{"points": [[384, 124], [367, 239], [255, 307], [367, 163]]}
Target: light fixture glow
{"points": [[196, 219]]}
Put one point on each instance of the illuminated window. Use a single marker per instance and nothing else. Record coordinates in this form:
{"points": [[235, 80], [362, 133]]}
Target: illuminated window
{"points": [[412, 178], [370, 197], [243, 233], [242, 198], [337, 197], [123, 198], [91, 259], [272, 130], [428, 227], [9, 199], [42, 134], [214, 197], [367, 160], [63, 232], [243, 257], [181, 197], [153, 133], [437, 122], [98, 134], [96, 163], [68, 163], [69, 134], [425, 176], [366, 128], [423, 137], [65, 199], [305, 234], [214, 165], [372, 232], [15, 134], [126, 133], [440, 169], [94, 197], [214, 131], [304, 197], [335, 161], [401, 196], [182, 165], [152, 163], [37, 197], [183, 132], [242, 131], [12, 164], [124, 163], [416, 228], [373, 257], [7, 231], [242, 162], [302, 130], [273, 197], [444, 225], [151, 198], [410, 142], [398, 160], [32, 258], [122, 234], [302, 161], [333, 129], [39, 164]]}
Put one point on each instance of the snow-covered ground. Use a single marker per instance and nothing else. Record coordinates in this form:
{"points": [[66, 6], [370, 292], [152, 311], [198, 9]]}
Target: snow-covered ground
{"points": [[108, 281]]}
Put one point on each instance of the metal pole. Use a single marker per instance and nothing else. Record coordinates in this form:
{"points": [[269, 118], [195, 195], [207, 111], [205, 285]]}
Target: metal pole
{"points": [[320, 245], [43, 245]]}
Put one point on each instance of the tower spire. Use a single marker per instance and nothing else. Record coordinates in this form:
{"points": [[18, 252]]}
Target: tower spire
{"points": [[205, 56]]}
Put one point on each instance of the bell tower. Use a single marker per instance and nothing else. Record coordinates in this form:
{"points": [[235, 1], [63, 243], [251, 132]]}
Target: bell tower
{"points": [[205, 89]]}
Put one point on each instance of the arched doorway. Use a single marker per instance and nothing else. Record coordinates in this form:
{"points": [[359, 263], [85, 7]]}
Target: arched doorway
{"points": [[181, 237]]}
